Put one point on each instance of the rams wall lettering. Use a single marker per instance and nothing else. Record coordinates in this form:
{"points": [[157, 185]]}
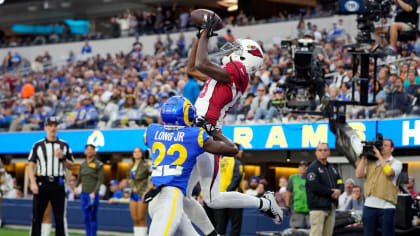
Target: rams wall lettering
{"points": [[404, 132]]}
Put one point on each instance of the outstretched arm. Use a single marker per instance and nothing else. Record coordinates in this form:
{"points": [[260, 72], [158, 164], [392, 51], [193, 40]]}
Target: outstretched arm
{"points": [[203, 63], [191, 70], [220, 145]]}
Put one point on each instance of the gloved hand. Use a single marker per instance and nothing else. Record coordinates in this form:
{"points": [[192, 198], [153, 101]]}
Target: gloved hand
{"points": [[209, 23], [151, 194], [202, 122]]}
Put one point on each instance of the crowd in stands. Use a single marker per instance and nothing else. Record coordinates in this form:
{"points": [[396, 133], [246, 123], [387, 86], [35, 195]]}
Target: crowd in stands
{"points": [[156, 20], [128, 89]]}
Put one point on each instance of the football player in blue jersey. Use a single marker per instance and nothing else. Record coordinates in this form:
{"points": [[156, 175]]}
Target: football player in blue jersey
{"points": [[175, 147]]}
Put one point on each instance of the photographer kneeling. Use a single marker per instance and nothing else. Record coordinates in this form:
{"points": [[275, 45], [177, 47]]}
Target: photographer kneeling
{"points": [[381, 171], [405, 20]]}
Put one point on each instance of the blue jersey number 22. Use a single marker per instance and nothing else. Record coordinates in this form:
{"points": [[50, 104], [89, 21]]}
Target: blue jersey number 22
{"points": [[175, 168]]}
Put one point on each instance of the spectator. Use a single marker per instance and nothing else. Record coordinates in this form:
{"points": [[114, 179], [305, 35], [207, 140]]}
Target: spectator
{"points": [[381, 189], [36, 120], [412, 84], [410, 187], [86, 115], [86, 49], [397, 101], [191, 90], [275, 106], [136, 53], [301, 28], [258, 104], [345, 197], [183, 20], [345, 92], [2, 181], [115, 28], [243, 108], [114, 193], [280, 195], [357, 200], [73, 192], [341, 76], [317, 34], [261, 189], [416, 105], [296, 200], [405, 20], [229, 37], [323, 187], [253, 184]]}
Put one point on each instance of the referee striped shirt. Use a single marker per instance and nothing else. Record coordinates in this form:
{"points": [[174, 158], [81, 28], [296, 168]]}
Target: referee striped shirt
{"points": [[47, 164]]}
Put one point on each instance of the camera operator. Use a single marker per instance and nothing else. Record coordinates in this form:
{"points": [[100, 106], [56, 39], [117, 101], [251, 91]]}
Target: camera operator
{"points": [[319, 60], [380, 188], [405, 20]]}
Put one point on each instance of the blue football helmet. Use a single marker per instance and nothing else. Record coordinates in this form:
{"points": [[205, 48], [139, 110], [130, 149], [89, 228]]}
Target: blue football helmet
{"points": [[178, 111]]}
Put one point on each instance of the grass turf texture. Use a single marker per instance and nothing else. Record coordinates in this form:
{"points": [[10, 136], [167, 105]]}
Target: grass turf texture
{"points": [[15, 232]]}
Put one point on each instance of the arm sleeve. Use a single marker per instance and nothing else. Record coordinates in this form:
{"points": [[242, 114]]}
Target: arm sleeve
{"points": [[33, 156], [100, 178], [237, 73], [236, 177], [69, 154], [313, 185]]}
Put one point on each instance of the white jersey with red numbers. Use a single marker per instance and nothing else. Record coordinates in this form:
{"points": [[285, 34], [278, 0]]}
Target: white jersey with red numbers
{"points": [[217, 98]]}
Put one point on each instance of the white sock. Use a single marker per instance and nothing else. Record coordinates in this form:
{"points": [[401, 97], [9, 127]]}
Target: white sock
{"points": [[45, 229], [140, 231], [265, 204], [234, 200]]}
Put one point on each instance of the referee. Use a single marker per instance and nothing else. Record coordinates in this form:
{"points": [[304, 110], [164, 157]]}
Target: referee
{"points": [[46, 162]]}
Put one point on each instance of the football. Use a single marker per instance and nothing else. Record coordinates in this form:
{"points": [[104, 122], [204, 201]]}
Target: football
{"points": [[198, 15]]}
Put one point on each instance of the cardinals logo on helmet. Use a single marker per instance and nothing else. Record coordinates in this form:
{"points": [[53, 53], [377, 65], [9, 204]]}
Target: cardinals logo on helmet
{"points": [[254, 51]]}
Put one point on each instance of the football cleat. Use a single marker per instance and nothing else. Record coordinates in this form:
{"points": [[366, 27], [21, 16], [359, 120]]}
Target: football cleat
{"points": [[275, 212]]}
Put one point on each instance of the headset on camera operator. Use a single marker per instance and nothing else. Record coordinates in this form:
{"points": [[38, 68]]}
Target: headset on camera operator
{"points": [[381, 172], [405, 20]]}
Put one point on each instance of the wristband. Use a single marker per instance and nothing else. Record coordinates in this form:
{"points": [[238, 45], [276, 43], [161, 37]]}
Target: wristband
{"points": [[387, 169]]}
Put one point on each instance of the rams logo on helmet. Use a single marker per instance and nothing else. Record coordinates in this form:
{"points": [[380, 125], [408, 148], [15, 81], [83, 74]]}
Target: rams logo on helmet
{"points": [[178, 111]]}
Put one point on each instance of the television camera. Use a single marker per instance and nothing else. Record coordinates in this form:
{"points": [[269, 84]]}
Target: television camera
{"points": [[368, 147], [299, 86], [368, 12]]}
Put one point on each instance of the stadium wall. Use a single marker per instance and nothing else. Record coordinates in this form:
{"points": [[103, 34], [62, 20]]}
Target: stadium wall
{"points": [[291, 136], [116, 217], [269, 33]]}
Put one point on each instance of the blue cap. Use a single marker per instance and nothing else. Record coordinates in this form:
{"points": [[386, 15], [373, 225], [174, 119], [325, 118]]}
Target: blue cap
{"points": [[164, 95], [127, 190], [280, 90], [254, 177], [113, 182]]}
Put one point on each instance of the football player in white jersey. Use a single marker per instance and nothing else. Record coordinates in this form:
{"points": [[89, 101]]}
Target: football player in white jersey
{"points": [[224, 86]]}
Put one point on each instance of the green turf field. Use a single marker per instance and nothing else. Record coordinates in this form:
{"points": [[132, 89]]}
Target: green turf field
{"points": [[15, 232]]}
